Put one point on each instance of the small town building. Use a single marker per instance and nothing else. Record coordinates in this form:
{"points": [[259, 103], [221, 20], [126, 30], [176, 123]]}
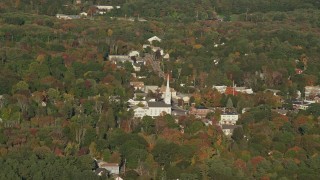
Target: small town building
{"points": [[113, 168], [301, 105], [199, 111], [106, 8], [134, 54], [229, 118], [137, 85], [152, 89], [154, 38], [311, 91], [67, 17], [274, 91], [83, 14], [119, 58], [232, 90]]}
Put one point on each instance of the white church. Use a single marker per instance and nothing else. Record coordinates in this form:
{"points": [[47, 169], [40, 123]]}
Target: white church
{"points": [[154, 108]]}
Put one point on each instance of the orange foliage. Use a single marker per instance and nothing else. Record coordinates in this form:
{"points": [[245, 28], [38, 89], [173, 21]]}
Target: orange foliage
{"points": [[42, 121], [108, 79], [279, 121], [68, 26], [58, 152], [310, 80], [265, 178], [197, 46], [295, 148], [300, 120], [49, 80], [172, 135], [219, 140], [240, 164]]}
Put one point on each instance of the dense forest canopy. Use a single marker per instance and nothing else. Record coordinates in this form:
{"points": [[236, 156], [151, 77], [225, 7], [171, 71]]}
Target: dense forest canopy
{"points": [[62, 104]]}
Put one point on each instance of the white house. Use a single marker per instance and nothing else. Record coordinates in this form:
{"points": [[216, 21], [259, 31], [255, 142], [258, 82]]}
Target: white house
{"points": [[83, 14], [106, 8], [67, 17], [312, 91], [229, 118], [220, 89], [133, 102], [244, 90], [134, 54], [113, 168], [154, 38], [119, 58], [166, 56], [139, 112]]}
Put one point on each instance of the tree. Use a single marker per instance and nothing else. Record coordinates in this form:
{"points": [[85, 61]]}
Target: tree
{"points": [[20, 86], [230, 103], [3, 56], [313, 109], [106, 122], [237, 134], [219, 168], [148, 124], [165, 153]]}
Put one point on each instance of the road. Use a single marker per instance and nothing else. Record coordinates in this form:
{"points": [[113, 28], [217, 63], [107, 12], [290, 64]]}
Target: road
{"points": [[155, 65]]}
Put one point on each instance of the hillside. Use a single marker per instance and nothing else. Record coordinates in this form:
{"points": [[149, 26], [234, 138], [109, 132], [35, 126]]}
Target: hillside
{"points": [[64, 102]]}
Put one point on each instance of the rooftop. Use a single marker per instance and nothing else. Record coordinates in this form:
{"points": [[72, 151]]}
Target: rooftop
{"points": [[229, 113], [158, 104]]}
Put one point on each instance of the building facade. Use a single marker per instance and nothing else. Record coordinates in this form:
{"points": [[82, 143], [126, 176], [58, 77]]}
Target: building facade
{"points": [[229, 118]]}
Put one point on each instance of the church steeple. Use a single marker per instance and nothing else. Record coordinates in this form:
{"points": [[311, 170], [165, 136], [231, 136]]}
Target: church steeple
{"points": [[167, 96]]}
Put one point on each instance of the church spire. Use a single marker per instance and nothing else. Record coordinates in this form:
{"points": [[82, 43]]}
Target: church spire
{"points": [[167, 96]]}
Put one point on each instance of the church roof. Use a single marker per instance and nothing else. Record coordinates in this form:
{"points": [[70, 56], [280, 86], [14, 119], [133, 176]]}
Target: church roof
{"points": [[158, 104]]}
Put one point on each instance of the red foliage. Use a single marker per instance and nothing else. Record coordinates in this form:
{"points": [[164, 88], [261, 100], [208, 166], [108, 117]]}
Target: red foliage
{"points": [[87, 84], [256, 160], [33, 131], [58, 152], [125, 125], [83, 151]]}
